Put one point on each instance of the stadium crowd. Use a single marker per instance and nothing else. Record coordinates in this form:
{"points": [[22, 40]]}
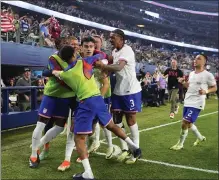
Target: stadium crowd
{"points": [[118, 6]]}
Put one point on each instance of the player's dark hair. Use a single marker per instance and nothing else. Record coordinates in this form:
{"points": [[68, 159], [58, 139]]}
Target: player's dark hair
{"points": [[206, 57], [59, 42], [66, 53], [88, 39], [120, 33]]}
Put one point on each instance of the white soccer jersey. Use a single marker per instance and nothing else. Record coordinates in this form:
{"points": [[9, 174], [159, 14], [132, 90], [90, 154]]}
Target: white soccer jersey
{"points": [[198, 81], [126, 81]]}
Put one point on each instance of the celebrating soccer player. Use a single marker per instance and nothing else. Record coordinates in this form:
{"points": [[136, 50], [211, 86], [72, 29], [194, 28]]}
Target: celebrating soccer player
{"points": [[200, 83], [126, 98], [57, 100]]}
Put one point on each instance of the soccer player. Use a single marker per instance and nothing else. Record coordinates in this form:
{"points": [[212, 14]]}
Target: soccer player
{"points": [[57, 100], [126, 98], [58, 43], [200, 83], [79, 77], [173, 74], [103, 83]]}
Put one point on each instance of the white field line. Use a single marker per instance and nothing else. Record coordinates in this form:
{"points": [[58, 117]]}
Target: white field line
{"points": [[172, 165], [163, 125], [164, 163]]}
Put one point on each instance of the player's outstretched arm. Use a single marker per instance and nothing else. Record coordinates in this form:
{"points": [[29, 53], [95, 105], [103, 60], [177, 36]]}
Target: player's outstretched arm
{"points": [[112, 68]]}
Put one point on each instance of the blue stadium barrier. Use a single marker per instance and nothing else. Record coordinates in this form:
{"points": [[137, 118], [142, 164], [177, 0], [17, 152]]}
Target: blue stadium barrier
{"points": [[10, 120]]}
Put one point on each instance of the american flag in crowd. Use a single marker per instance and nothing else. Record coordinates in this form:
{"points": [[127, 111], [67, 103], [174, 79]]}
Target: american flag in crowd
{"points": [[54, 28], [7, 22]]}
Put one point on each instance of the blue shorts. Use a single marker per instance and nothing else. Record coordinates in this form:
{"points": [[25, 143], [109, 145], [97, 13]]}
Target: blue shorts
{"points": [[56, 107], [190, 114], [107, 102], [127, 103], [87, 111]]}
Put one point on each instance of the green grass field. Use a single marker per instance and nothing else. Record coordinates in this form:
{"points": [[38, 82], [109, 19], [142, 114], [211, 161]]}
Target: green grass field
{"points": [[158, 162]]}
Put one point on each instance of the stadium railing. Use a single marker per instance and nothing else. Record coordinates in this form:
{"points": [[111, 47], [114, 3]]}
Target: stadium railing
{"points": [[11, 120]]}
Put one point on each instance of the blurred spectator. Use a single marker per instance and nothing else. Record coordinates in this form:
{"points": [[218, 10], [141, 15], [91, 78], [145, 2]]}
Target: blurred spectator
{"points": [[24, 95]]}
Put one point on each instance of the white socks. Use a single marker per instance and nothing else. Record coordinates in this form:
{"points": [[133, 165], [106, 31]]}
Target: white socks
{"points": [[87, 169], [37, 134], [135, 134], [69, 146], [108, 136], [50, 134], [196, 132], [123, 143], [183, 136], [131, 144], [97, 132]]}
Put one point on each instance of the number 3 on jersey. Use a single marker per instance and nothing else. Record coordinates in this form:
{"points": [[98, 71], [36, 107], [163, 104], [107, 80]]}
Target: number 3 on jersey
{"points": [[132, 103]]}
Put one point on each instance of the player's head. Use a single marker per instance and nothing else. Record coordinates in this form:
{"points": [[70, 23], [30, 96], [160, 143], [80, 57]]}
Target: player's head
{"points": [[73, 41], [117, 38], [200, 61], [87, 46], [98, 42], [60, 42], [173, 63], [67, 53]]}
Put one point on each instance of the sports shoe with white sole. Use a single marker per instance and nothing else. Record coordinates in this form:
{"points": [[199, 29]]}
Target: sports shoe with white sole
{"points": [[177, 147], [94, 146], [198, 141], [123, 155], [109, 152], [131, 160], [171, 115], [64, 166]]}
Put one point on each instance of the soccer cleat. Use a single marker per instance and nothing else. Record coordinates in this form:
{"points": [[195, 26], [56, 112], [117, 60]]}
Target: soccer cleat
{"points": [[109, 152], [198, 141], [94, 146], [64, 166], [123, 155], [44, 154], [34, 161], [80, 177], [131, 160], [176, 110], [177, 147], [137, 153], [171, 115]]}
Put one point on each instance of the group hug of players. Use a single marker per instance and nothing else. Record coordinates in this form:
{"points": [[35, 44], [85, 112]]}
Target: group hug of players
{"points": [[79, 80]]}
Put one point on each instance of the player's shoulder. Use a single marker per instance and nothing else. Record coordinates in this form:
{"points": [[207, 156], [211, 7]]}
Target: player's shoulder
{"points": [[127, 48]]}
